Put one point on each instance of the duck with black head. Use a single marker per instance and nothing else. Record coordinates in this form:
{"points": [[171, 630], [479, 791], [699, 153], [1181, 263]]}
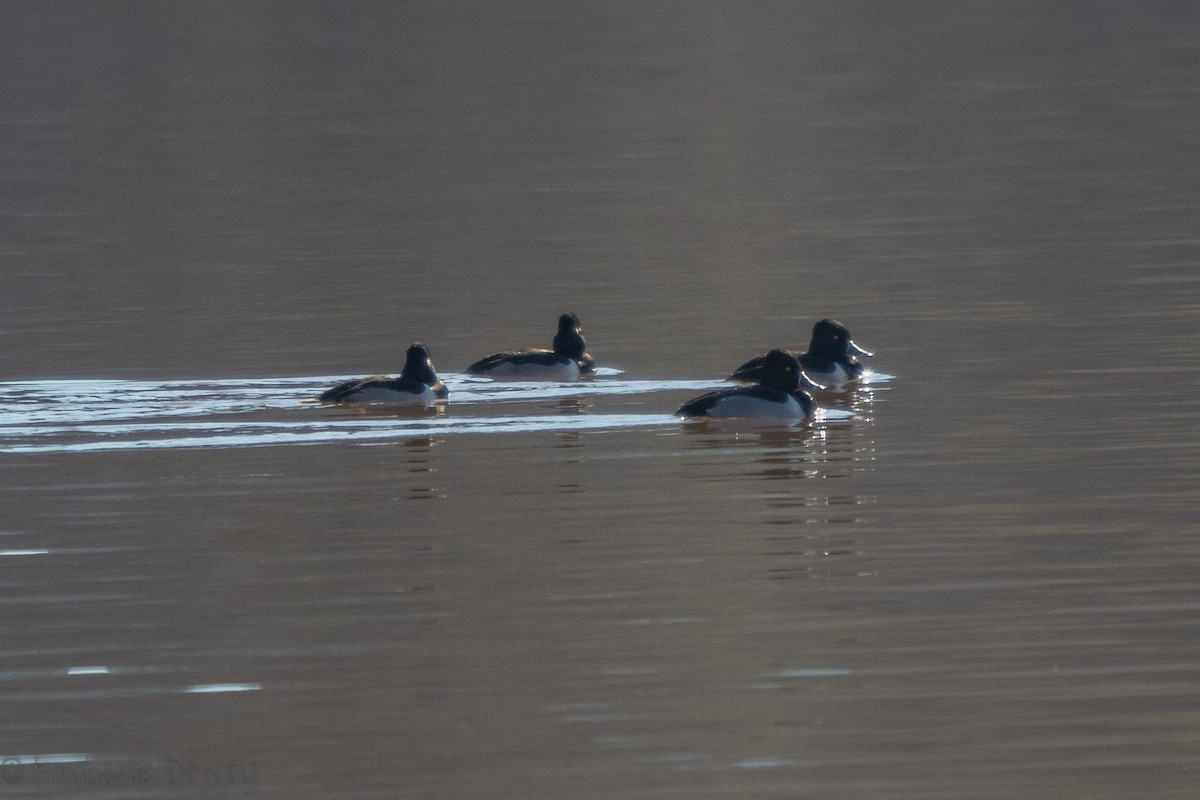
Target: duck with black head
{"points": [[832, 357], [417, 384], [566, 362], [776, 396]]}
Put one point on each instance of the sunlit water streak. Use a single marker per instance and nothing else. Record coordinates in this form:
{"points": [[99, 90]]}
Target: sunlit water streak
{"points": [[105, 415]]}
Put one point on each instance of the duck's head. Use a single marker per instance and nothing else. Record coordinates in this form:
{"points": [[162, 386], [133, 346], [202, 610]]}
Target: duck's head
{"points": [[781, 370], [418, 365], [831, 339], [569, 323], [569, 339]]}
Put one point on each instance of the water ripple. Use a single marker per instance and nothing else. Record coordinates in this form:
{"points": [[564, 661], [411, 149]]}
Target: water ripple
{"points": [[105, 415]]}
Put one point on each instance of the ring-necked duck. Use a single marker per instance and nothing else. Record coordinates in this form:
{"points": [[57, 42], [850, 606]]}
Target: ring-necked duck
{"points": [[777, 395], [417, 384], [831, 357], [566, 362]]}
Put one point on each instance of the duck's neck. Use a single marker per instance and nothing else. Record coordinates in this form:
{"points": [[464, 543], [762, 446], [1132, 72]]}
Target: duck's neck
{"points": [[569, 344]]}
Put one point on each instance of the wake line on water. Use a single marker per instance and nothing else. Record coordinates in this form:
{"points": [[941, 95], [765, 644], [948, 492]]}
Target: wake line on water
{"points": [[81, 401], [268, 434], [78, 416]]}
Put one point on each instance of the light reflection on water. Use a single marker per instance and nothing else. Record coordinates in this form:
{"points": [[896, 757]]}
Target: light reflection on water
{"points": [[92, 416], [131, 606], [979, 583]]}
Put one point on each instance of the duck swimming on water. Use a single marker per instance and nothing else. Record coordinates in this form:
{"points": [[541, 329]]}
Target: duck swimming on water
{"points": [[566, 362], [777, 395], [417, 384], [831, 358]]}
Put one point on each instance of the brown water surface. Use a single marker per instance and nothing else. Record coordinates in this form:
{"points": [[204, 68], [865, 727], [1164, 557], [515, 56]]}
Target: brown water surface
{"points": [[976, 577]]}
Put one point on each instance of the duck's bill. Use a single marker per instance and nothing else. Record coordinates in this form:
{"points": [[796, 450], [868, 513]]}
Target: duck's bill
{"points": [[858, 351], [808, 383]]}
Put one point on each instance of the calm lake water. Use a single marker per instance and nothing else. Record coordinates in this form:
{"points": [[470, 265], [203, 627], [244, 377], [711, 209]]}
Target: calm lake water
{"points": [[976, 577]]}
